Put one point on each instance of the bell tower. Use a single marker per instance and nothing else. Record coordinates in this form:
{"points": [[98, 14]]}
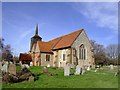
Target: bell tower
{"points": [[35, 38]]}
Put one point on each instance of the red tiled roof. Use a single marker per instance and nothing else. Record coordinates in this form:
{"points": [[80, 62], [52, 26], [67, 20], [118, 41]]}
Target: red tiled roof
{"points": [[54, 42], [58, 43], [25, 57], [44, 46], [67, 40]]}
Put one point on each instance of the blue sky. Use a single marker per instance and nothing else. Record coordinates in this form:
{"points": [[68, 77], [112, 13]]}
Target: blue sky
{"points": [[56, 19]]}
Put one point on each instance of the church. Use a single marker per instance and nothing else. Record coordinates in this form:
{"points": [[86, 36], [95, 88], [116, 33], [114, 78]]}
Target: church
{"points": [[73, 48]]}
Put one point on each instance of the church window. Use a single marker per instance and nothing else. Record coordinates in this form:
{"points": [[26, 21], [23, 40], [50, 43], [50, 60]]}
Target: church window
{"points": [[47, 57], [82, 52], [63, 57]]}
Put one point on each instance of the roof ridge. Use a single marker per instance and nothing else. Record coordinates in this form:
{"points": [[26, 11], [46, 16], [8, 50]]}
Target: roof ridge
{"points": [[66, 34], [77, 36], [76, 33]]}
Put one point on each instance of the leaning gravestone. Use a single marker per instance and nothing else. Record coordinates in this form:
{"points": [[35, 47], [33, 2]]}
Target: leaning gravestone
{"points": [[27, 66], [31, 78], [66, 71], [12, 69]]}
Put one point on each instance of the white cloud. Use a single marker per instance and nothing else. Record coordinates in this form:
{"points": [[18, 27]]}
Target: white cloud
{"points": [[102, 14]]}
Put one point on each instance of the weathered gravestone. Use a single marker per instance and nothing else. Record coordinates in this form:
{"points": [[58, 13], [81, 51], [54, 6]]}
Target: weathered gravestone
{"points": [[77, 71], [45, 70], [12, 69], [83, 70], [5, 67], [25, 65], [66, 71], [20, 63], [31, 63], [89, 67], [31, 78], [48, 65], [111, 67]]}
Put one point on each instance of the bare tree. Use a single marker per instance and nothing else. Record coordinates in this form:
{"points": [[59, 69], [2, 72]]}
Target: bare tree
{"points": [[112, 51], [1, 44], [5, 51], [99, 53]]}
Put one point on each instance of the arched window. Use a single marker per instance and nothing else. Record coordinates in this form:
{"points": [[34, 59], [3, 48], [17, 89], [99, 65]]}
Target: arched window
{"points": [[82, 52]]}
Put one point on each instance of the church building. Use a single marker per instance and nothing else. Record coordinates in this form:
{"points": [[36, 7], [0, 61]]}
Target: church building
{"points": [[73, 48]]}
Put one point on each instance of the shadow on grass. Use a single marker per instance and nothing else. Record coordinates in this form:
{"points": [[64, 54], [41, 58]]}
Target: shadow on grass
{"points": [[37, 76]]}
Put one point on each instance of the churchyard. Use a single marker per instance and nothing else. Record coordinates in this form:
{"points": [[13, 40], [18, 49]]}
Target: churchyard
{"points": [[74, 77]]}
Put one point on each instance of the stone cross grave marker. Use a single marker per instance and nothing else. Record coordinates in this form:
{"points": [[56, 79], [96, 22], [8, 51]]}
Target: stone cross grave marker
{"points": [[66, 71], [77, 71], [12, 69]]}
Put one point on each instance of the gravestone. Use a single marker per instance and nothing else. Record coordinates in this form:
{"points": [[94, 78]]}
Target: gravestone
{"points": [[31, 63], [66, 71], [31, 78], [5, 67], [77, 71], [25, 65], [45, 70], [89, 67], [83, 70], [20, 63], [22, 66], [12, 69], [48, 65], [111, 67], [11, 62], [96, 70]]}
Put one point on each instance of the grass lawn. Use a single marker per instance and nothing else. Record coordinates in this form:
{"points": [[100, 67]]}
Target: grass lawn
{"points": [[102, 79]]}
